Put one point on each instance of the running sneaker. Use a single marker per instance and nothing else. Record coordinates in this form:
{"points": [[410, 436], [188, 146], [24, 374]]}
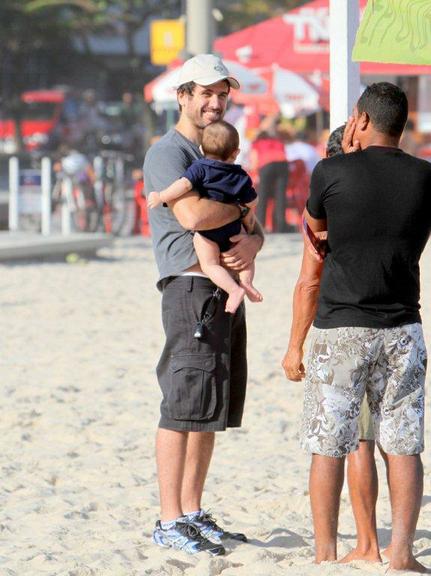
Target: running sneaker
{"points": [[209, 528], [187, 537]]}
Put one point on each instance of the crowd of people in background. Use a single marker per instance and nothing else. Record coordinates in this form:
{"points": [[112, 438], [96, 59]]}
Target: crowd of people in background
{"points": [[90, 124], [281, 158], [280, 154]]}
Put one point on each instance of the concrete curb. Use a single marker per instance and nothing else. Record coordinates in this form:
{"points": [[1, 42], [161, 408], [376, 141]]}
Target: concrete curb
{"points": [[24, 245]]}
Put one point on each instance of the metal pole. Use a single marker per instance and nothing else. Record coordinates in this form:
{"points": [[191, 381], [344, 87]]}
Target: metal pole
{"points": [[344, 74], [46, 196], [13, 194], [200, 26]]}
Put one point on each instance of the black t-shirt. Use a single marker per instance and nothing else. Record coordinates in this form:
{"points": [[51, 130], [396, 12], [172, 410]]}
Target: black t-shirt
{"points": [[377, 204]]}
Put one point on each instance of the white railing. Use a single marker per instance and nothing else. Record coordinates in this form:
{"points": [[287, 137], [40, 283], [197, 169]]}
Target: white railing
{"points": [[30, 192], [41, 191]]}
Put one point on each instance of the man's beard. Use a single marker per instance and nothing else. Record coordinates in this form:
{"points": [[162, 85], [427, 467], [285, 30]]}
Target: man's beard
{"points": [[210, 116]]}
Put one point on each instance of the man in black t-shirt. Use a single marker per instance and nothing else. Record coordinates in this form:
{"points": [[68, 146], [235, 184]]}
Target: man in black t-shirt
{"points": [[367, 335]]}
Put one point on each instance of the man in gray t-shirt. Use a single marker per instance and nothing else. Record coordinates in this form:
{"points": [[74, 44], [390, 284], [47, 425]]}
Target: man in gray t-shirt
{"points": [[202, 371], [165, 162]]}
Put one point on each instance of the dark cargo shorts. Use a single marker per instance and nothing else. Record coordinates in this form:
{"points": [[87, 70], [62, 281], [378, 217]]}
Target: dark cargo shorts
{"points": [[203, 380]]}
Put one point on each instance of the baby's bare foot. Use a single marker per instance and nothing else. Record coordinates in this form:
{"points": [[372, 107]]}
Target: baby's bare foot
{"points": [[234, 300], [252, 294]]}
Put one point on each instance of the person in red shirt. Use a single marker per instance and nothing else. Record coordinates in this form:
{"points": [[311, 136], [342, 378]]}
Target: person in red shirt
{"points": [[269, 158]]}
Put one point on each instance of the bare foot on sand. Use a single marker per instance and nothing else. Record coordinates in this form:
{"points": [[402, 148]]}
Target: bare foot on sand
{"points": [[252, 294], [411, 565], [370, 555], [234, 300]]}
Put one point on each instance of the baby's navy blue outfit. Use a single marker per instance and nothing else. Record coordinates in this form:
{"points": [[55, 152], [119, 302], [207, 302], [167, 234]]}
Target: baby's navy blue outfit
{"points": [[223, 182]]}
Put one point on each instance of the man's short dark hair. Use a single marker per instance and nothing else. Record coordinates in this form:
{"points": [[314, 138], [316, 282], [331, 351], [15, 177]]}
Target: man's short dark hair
{"points": [[186, 88], [386, 106], [333, 147]]}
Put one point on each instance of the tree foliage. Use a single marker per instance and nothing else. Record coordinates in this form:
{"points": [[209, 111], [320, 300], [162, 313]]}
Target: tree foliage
{"points": [[35, 36], [238, 14], [29, 28]]}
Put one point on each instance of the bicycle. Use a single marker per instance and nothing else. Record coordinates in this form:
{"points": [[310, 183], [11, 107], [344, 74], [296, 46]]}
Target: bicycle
{"points": [[78, 195], [96, 198], [110, 190]]}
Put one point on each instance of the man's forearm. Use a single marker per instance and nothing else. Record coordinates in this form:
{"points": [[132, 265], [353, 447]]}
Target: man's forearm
{"points": [[305, 301], [258, 231], [195, 213]]}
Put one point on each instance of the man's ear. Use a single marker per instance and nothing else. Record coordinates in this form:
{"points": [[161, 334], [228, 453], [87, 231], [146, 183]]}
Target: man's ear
{"points": [[363, 121], [181, 98]]}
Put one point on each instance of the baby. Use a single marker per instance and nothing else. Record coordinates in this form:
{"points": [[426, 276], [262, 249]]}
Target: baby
{"points": [[217, 177]]}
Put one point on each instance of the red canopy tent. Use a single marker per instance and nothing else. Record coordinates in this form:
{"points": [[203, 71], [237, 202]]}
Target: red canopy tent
{"points": [[287, 91], [297, 41]]}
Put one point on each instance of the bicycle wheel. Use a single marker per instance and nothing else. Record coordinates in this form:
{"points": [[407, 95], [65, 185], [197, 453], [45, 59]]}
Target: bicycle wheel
{"points": [[114, 210], [85, 210]]}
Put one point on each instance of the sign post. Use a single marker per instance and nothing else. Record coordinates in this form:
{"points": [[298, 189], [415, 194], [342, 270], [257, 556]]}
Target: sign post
{"points": [[344, 74], [200, 26]]}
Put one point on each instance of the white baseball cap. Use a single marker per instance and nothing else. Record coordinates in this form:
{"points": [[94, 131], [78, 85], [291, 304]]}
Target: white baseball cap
{"points": [[204, 69]]}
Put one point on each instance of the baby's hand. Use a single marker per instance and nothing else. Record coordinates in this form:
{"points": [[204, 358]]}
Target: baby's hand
{"points": [[154, 199]]}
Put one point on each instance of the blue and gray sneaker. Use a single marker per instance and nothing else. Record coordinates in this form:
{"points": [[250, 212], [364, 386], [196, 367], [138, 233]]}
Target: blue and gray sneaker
{"points": [[209, 528], [185, 536]]}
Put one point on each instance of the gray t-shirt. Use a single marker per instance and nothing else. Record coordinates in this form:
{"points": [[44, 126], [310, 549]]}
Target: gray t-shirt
{"points": [[165, 162]]}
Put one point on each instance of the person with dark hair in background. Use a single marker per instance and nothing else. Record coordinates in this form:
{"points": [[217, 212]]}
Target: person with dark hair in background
{"points": [[90, 123], [364, 301], [269, 158], [131, 115], [202, 371], [334, 144]]}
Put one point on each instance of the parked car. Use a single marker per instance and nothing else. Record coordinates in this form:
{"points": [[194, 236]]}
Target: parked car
{"points": [[41, 119]]}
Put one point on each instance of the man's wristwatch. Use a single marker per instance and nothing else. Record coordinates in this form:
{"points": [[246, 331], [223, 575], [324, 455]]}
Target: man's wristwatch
{"points": [[243, 210]]}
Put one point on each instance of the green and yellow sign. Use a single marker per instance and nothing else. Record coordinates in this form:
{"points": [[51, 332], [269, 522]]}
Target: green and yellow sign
{"points": [[395, 31]]}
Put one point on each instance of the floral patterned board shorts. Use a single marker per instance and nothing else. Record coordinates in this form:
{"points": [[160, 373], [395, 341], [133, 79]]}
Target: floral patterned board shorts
{"points": [[365, 423], [389, 364]]}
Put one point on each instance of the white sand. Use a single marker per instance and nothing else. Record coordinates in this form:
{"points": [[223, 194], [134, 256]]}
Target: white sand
{"points": [[79, 408]]}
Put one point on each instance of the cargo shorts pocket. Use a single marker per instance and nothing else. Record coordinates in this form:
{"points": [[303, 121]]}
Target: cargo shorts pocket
{"points": [[192, 394]]}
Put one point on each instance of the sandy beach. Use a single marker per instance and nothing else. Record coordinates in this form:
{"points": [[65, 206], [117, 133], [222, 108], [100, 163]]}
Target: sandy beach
{"points": [[79, 408]]}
